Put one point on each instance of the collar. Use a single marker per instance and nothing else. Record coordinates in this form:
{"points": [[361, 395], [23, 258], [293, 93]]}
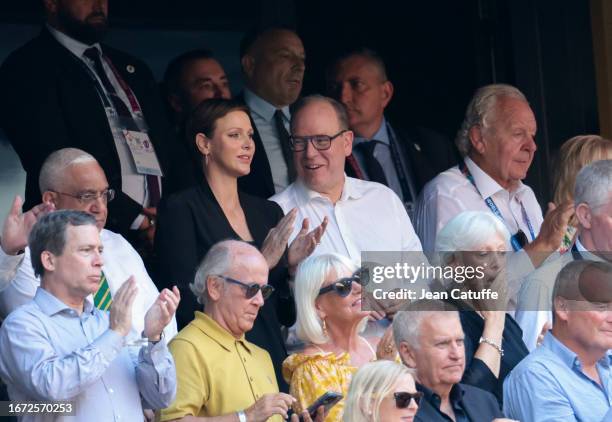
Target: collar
{"points": [[304, 194], [456, 394], [261, 107], [74, 46], [485, 184], [220, 335], [567, 356], [584, 252], [381, 135], [51, 305]]}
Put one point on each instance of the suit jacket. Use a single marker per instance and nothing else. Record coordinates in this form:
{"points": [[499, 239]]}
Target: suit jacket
{"points": [[50, 102], [479, 405], [190, 222], [428, 154]]}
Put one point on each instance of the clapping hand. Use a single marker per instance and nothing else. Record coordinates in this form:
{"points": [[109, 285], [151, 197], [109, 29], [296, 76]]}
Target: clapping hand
{"points": [[275, 242], [161, 312], [305, 243], [17, 225]]}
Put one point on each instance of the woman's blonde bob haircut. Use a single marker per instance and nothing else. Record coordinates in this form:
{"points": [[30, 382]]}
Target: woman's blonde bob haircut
{"points": [[310, 276], [370, 385]]}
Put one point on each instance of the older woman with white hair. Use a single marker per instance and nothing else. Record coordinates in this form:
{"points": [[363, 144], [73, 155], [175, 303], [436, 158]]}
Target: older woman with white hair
{"points": [[382, 391], [493, 339], [329, 320]]}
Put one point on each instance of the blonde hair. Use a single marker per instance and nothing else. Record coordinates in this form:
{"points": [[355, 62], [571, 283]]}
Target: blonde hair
{"points": [[370, 385]]}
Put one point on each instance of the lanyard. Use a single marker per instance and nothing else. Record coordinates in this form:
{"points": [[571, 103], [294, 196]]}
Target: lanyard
{"points": [[400, 170], [516, 245]]}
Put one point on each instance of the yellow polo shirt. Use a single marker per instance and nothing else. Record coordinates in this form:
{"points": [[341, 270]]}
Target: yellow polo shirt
{"points": [[216, 373]]}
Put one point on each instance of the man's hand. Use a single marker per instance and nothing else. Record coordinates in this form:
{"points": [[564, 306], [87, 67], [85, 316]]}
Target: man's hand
{"points": [[276, 241], [551, 232], [386, 346], [320, 417], [305, 243], [17, 225], [545, 328], [268, 405], [160, 313], [121, 308], [148, 224]]}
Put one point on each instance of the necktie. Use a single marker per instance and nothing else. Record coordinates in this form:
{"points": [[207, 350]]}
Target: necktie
{"points": [[285, 144], [373, 167], [354, 165], [102, 298], [122, 110]]}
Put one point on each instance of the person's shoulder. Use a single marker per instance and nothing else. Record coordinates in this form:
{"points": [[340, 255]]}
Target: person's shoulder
{"points": [[36, 49], [182, 198], [540, 366], [26, 314], [473, 393], [285, 198], [123, 57], [261, 203]]}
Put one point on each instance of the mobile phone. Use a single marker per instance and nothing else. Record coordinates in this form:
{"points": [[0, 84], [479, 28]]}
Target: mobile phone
{"points": [[327, 400]]}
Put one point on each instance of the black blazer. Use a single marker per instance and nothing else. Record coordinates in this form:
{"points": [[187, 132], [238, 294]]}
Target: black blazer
{"points": [[479, 405], [428, 153], [50, 102], [190, 222]]}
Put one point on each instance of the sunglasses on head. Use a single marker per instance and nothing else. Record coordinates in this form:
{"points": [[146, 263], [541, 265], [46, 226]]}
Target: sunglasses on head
{"points": [[251, 289], [403, 398], [344, 286]]}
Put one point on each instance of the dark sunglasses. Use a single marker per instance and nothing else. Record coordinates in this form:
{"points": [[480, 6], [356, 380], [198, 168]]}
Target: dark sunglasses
{"points": [[251, 289], [344, 286], [403, 398]]}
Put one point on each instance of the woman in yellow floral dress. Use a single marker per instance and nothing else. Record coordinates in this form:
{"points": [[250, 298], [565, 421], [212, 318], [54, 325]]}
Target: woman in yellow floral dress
{"points": [[329, 320]]}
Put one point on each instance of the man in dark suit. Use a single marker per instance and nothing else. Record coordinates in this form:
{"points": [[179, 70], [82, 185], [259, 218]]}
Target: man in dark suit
{"points": [[65, 89], [400, 158], [273, 67], [429, 338]]}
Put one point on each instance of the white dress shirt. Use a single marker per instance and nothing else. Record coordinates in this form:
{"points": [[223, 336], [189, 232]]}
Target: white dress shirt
{"points": [[367, 217], [120, 262], [451, 192]]}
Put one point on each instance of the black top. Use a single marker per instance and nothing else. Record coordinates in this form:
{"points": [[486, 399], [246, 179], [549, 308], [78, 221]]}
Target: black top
{"points": [[470, 404], [477, 373], [189, 224]]}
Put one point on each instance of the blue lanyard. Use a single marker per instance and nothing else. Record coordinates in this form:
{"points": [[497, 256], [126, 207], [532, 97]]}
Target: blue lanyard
{"points": [[516, 245]]}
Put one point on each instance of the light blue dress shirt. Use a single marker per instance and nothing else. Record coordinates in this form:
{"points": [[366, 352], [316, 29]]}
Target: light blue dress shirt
{"points": [[549, 385], [49, 352]]}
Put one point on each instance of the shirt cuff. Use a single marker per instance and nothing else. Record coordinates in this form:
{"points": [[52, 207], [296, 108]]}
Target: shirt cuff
{"points": [[8, 267], [110, 344], [137, 222], [155, 354]]}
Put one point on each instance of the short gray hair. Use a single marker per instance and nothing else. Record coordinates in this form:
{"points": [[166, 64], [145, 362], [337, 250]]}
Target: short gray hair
{"points": [[53, 168], [341, 114], [482, 104], [594, 184], [407, 324], [49, 234]]}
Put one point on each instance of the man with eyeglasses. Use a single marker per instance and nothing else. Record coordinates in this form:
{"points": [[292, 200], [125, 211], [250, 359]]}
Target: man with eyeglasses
{"points": [[73, 179], [363, 215], [220, 375], [429, 339], [569, 377]]}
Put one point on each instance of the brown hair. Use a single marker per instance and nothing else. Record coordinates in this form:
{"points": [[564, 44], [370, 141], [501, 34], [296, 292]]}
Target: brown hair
{"points": [[203, 118]]}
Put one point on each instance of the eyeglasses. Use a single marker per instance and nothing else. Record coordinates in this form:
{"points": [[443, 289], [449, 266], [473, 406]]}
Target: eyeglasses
{"points": [[403, 398], [85, 198], [320, 142], [344, 286], [251, 289]]}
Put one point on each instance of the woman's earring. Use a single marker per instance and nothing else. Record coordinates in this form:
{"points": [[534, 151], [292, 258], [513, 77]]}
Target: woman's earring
{"points": [[324, 329], [206, 160]]}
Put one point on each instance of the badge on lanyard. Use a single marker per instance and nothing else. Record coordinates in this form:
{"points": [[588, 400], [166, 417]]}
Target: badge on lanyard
{"points": [[143, 152]]}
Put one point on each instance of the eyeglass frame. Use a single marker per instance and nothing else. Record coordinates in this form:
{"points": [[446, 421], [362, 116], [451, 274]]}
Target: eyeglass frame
{"points": [[249, 286], [107, 195], [416, 396], [355, 278], [311, 139]]}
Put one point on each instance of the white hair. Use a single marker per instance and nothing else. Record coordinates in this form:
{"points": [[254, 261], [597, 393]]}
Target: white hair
{"points": [[594, 184], [482, 104], [370, 385], [53, 168], [468, 231], [407, 324], [310, 276]]}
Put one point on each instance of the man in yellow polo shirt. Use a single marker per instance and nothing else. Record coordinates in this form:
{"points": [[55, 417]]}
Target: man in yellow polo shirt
{"points": [[220, 375]]}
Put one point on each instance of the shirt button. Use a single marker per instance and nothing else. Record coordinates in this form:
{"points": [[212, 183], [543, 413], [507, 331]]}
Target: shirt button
{"points": [[110, 390], [251, 378], [244, 359]]}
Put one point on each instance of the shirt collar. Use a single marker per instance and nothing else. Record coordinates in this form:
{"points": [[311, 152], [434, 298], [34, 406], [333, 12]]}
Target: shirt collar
{"points": [[51, 305], [261, 107], [567, 356], [74, 46], [456, 394], [485, 184], [584, 252], [382, 135], [221, 336], [304, 194]]}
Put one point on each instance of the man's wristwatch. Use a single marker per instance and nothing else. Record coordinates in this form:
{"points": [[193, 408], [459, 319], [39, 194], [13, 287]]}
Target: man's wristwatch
{"points": [[492, 344], [241, 416]]}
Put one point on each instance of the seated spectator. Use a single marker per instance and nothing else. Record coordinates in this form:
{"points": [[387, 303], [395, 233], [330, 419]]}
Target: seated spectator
{"points": [[593, 198], [191, 221], [59, 346], [574, 154], [382, 391], [568, 378], [493, 340], [72, 179], [329, 319], [430, 339], [220, 375]]}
